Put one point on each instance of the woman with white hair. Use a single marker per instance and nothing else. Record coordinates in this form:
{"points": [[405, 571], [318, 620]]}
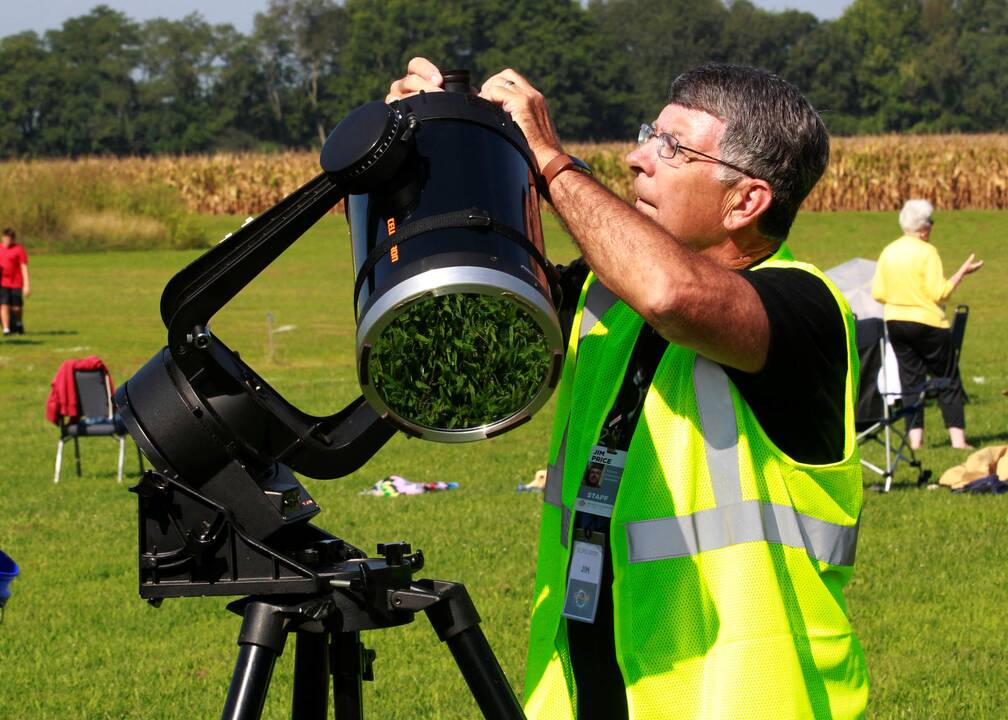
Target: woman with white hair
{"points": [[910, 281]]}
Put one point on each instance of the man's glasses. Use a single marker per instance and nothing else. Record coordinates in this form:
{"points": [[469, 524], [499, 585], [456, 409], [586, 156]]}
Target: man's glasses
{"points": [[669, 147]]}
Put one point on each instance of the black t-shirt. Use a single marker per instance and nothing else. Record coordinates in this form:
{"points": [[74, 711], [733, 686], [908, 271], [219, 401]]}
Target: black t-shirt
{"points": [[798, 398]]}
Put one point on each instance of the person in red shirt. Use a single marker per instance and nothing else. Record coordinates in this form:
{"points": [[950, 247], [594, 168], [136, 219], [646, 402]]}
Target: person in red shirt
{"points": [[14, 283]]}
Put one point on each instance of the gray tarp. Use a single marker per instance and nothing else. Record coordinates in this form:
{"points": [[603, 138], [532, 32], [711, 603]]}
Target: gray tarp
{"points": [[854, 279]]}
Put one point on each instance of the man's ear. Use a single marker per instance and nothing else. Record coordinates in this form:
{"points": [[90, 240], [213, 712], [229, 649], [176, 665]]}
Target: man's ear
{"points": [[749, 199]]}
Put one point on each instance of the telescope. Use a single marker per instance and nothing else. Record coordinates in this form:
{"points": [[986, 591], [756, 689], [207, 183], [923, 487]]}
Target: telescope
{"points": [[457, 340]]}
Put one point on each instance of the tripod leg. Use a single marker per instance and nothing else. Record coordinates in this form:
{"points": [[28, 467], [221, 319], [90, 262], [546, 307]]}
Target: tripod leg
{"points": [[249, 683], [260, 642], [347, 663], [456, 622], [311, 677], [484, 675]]}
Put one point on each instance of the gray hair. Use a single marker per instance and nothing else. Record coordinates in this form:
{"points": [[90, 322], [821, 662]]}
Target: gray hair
{"points": [[771, 130], [915, 215]]}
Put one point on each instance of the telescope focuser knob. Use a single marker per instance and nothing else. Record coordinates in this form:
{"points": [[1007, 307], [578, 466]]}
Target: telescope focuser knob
{"points": [[457, 81]]}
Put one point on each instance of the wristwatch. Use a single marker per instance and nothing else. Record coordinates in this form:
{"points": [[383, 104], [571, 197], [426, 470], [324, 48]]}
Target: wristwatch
{"points": [[560, 163]]}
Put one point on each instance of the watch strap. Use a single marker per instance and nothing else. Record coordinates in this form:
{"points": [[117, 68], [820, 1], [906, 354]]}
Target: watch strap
{"points": [[561, 163]]}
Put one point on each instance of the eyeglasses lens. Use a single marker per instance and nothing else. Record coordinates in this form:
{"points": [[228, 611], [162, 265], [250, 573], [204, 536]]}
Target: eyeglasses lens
{"points": [[667, 145]]}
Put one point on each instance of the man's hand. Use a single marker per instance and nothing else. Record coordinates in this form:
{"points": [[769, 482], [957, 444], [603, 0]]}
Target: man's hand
{"points": [[507, 88], [528, 109], [421, 74]]}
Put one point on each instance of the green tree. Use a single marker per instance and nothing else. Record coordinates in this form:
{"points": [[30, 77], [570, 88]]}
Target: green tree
{"points": [[179, 67], [761, 38], [982, 47], [383, 35], [29, 94], [94, 57], [313, 32], [556, 44], [658, 39], [241, 96]]}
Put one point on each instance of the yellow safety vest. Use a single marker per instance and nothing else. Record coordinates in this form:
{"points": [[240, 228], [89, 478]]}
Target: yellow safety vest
{"points": [[729, 557]]}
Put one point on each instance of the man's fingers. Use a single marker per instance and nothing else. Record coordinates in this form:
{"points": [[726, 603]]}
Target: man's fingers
{"points": [[507, 75], [421, 74], [507, 79], [410, 85], [425, 69]]}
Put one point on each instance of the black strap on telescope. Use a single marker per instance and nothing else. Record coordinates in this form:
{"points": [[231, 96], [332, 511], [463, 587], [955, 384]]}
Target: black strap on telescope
{"points": [[473, 218]]}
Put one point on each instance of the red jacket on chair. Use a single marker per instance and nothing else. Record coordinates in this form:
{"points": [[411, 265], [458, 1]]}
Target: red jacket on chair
{"points": [[62, 400]]}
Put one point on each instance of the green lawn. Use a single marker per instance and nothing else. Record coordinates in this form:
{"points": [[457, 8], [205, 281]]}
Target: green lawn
{"points": [[77, 642]]}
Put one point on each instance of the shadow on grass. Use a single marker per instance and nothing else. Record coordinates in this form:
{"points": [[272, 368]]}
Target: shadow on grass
{"points": [[999, 438], [50, 333], [897, 485], [19, 341]]}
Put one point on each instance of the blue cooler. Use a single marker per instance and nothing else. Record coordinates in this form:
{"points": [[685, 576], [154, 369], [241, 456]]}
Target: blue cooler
{"points": [[8, 571]]}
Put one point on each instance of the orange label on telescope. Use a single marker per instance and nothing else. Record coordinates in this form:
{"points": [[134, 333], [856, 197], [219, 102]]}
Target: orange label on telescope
{"points": [[394, 251]]}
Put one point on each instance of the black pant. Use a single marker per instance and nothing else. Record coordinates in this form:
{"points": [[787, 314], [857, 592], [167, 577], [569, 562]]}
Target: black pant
{"points": [[601, 694], [924, 350]]}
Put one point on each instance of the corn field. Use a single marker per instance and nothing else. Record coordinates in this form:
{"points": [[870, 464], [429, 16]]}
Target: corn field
{"points": [[875, 173], [865, 173]]}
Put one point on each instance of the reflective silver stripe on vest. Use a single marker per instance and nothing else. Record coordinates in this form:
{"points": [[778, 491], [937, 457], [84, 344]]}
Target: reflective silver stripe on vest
{"points": [[750, 521], [565, 518], [553, 492], [598, 300], [717, 416]]}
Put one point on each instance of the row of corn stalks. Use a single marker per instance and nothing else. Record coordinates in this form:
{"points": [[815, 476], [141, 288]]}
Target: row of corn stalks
{"points": [[867, 173]]}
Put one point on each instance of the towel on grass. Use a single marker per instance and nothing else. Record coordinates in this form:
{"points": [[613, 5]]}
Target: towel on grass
{"points": [[991, 460], [395, 485]]}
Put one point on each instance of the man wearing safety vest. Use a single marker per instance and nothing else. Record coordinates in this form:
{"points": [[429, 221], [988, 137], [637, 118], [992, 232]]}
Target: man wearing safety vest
{"points": [[704, 488]]}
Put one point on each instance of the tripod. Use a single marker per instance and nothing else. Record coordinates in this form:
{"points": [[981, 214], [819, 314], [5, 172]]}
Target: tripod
{"points": [[312, 584], [327, 629]]}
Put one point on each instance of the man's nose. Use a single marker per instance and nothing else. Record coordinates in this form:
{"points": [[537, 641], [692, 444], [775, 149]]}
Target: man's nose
{"points": [[641, 159]]}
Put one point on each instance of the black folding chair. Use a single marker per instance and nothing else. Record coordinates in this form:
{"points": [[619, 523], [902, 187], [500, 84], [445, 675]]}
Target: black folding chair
{"points": [[959, 319], [881, 412], [97, 419]]}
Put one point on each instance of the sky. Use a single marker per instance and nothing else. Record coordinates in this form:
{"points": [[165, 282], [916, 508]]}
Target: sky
{"points": [[41, 15]]}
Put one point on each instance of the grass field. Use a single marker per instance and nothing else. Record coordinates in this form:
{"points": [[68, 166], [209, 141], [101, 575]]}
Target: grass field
{"points": [[927, 596]]}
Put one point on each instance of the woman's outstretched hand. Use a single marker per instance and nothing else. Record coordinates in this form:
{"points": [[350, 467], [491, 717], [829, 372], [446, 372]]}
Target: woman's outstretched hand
{"points": [[971, 265]]}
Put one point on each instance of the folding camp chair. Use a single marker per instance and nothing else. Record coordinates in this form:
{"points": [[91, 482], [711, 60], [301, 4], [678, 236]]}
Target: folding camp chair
{"points": [[882, 407], [94, 399], [958, 333]]}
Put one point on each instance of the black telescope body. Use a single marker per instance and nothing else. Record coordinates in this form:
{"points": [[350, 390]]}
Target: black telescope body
{"points": [[441, 197], [459, 217]]}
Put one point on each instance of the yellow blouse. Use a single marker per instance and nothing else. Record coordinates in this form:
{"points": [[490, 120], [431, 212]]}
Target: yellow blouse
{"points": [[910, 281]]}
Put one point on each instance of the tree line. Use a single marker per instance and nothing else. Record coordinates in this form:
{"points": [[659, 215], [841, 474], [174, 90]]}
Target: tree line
{"points": [[105, 84]]}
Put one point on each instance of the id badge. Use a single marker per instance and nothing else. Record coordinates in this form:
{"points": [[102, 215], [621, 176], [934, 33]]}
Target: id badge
{"points": [[583, 581], [597, 493]]}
